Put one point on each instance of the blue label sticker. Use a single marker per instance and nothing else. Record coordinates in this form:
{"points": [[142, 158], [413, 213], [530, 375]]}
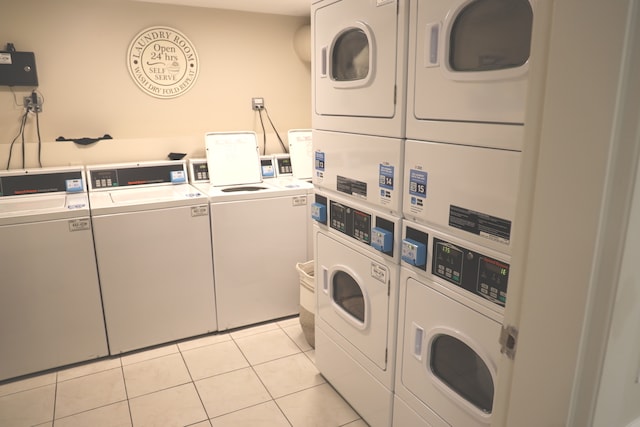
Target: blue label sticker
{"points": [[386, 176], [418, 183], [178, 177], [73, 185], [319, 163]]}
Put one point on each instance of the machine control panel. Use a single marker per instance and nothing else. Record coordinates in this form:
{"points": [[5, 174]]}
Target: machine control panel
{"points": [[200, 171], [362, 226], [470, 270], [37, 183], [285, 167], [130, 176]]}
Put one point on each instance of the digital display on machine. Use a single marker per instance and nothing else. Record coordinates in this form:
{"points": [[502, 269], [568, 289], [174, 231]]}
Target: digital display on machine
{"points": [[121, 177], [284, 166], [17, 185], [352, 222], [362, 226], [201, 171], [477, 273], [338, 216], [449, 262], [492, 279]]}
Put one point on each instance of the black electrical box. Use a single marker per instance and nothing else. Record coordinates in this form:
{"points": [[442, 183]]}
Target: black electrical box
{"points": [[18, 69]]}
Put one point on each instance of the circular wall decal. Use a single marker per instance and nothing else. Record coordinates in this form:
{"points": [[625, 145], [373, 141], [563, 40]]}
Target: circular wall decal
{"points": [[163, 62]]}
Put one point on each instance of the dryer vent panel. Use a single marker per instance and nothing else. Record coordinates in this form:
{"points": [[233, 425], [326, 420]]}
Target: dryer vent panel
{"points": [[18, 69]]}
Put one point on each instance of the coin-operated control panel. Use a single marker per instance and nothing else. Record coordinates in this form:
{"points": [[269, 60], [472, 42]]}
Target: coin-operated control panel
{"points": [[480, 274]]}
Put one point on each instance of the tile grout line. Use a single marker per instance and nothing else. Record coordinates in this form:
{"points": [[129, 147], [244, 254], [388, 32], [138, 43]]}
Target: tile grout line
{"points": [[193, 382]]}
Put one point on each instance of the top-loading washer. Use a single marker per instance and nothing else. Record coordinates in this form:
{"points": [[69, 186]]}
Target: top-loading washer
{"points": [[452, 294], [357, 252], [359, 67], [468, 71], [153, 246], [259, 234], [50, 305], [365, 168]]}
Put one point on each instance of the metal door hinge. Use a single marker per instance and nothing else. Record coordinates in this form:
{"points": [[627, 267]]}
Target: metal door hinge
{"points": [[509, 341]]}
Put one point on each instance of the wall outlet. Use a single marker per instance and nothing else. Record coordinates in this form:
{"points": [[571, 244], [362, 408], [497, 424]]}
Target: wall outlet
{"points": [[257, 103], [33, 103]]}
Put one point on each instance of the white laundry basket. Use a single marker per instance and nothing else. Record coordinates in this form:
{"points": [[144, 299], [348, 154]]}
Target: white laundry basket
{"points": [[307, 301]]}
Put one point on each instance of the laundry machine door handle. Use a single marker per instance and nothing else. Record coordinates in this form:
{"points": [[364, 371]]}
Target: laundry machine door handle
{"points": [[325, 280], [324, 59], [418, 340], [431, 45]]}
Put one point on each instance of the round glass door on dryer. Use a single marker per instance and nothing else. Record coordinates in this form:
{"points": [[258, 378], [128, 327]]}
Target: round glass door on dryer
{"points": [[468, 66], [358, 69], [448, 353]]}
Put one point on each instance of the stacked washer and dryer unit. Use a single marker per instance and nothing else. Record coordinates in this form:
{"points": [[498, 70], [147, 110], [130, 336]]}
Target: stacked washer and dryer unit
{"points": [[358, 139], [455, 178]]}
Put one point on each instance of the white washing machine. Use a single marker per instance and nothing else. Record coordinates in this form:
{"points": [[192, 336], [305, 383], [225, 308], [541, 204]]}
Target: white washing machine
{"points": [[467, 191], [50, 305], [153, 245], [365, 168], [359, 67], [259, 234], [357, 272], [451, 308], [468, 71]]}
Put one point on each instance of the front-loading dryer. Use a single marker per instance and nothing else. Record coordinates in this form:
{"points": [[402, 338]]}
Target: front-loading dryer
{"points": [[468, 70], [365, 168], [452, 295], [359, 66], [467, 191], [356, 269]]}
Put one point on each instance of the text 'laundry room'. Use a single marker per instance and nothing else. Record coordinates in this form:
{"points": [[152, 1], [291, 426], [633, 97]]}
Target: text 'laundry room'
{"points": [[384, 213]]}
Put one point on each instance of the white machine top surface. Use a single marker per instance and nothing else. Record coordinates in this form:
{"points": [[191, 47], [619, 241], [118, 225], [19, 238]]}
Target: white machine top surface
{"points": [[42, 194], [137, 186], [198, 175], [233, 158]]}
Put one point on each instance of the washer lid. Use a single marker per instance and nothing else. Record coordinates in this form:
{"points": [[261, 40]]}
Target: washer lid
{"points": [[233, 158], [301, 152]]}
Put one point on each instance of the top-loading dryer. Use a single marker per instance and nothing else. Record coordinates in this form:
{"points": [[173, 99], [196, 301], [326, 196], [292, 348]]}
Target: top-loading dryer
{"points": [[50, 306], [153, 245], [468, 71], [358, 72]]}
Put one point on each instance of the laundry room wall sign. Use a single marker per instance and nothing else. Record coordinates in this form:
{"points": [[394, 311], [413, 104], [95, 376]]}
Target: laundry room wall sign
{"points": [[163, 62]]}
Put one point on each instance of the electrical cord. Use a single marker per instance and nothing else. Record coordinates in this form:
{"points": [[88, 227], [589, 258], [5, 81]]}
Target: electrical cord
{"points": [[284, 149], [39, 139], [23, 122], [264, 133]]}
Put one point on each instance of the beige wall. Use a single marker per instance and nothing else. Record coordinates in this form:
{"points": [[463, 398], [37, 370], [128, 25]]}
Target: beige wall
{"points": [[81, 47]]}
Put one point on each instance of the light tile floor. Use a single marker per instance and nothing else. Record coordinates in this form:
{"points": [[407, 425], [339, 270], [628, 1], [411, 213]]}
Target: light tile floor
{"points": [[261, 376]]}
